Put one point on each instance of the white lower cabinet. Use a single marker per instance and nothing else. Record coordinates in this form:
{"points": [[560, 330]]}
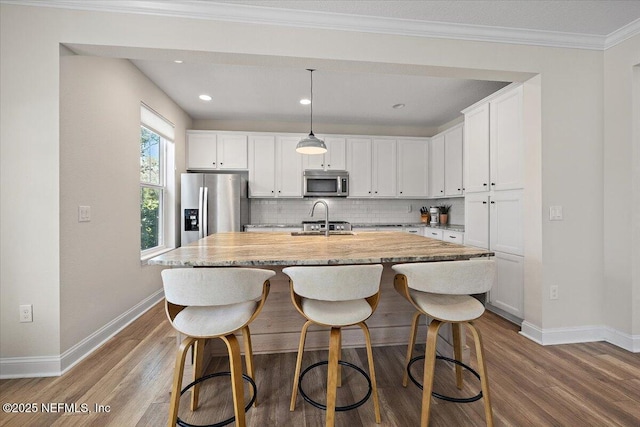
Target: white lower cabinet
{"points": [[507, 292]]}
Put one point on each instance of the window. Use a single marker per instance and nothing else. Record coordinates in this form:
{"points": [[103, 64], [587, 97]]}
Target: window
{"points": [[156, 184]]}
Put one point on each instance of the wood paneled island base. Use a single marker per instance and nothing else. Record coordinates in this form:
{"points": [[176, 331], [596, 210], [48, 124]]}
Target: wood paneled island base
{"points": [[277, 328]]}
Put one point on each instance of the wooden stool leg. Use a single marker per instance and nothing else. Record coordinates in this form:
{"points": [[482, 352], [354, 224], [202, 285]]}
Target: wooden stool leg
{"points": [[339, 366], [296, 376], [412, 343], [235, 363], [457, 352], [177, 380], [429, 367], [248, 357], [198, 355], [332, 376], [482, 371], [372, 371]]}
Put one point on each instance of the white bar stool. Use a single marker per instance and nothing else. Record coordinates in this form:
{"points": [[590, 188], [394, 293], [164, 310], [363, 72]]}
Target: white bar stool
{"points": [[204, 303], [335, 296], [443, 292]]}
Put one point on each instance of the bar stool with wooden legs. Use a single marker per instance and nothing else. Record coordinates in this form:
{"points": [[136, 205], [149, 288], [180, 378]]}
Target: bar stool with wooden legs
{"points": [[204, 303], [443, 292], [335, 296]]}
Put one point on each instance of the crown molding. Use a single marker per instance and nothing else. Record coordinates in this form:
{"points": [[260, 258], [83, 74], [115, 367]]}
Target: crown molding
{"points": [[196, 9], [622, 34]]}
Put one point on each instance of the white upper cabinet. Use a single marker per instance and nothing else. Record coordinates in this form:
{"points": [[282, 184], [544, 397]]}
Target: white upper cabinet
{"points": [[445, 163], [359, 166], [506, 140], [493, 143], [384, 168], [476, 149], [202, 150], [372, 166], [232, 151], [334, 159], [207, 150], [275, 168], [453, 161], [288, 167], [262, 166], [413, 160], [436, 166]]}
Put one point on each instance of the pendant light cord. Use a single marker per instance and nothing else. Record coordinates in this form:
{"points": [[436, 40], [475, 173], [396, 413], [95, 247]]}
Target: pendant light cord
{"points": [[311, 74]]}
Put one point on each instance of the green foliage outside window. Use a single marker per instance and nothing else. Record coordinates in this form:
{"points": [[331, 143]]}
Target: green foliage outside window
{"points": [[151, 193]]}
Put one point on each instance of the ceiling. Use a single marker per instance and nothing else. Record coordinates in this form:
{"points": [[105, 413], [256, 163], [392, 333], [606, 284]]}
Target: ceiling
{"points": [[255, 91]]}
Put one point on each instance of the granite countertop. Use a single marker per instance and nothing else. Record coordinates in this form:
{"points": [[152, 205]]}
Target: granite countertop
{"points": [[279, 248]]}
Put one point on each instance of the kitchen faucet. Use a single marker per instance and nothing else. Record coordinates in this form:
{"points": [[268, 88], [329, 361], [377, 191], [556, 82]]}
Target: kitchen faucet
{"points": [[326, 218]]}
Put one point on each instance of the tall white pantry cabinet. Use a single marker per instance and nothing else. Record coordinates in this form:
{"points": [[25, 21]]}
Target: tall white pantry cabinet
{"points": [[494, 184]]}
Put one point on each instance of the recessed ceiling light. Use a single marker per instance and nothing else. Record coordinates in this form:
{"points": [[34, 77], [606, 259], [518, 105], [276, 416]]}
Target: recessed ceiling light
{"points": [[205, 97], [178, 61], [305, 101], [398, 106]]}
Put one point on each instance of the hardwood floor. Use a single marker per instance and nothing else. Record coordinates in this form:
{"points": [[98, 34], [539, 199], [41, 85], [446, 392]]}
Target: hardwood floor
{"points": [[593, 384]]}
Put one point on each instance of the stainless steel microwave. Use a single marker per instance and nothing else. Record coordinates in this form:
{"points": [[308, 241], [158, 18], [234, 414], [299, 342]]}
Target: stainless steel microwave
{"points": [[321, 183]]}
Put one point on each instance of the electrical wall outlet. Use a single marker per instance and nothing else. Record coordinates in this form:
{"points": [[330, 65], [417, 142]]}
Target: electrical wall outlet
{"points": [[26, 313], [553, 292]]}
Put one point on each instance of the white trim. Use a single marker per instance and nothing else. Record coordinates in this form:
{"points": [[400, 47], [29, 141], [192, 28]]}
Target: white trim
{"points": [[51, 366], [344, 22], [622, 34], [581, 334]]}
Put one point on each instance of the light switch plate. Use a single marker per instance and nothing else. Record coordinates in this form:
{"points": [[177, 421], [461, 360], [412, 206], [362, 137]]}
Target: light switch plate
{"points": [[555, 213], [84, 213]]}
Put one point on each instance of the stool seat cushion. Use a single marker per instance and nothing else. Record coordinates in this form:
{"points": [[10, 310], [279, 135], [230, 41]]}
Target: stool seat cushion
{"points": [[211, 321], [336, 313], [449, 308]]}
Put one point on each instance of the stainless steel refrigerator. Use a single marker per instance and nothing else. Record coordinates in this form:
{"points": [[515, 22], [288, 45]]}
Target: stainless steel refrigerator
{"points": [[212, 203]]}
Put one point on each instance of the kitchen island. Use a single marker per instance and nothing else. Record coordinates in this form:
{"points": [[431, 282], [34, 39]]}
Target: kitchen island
{"points": [[277, 328]]}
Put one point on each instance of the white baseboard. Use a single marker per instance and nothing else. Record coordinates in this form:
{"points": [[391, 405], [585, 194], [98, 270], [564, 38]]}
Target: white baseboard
{"points": [[580, 334], [52, 366]]}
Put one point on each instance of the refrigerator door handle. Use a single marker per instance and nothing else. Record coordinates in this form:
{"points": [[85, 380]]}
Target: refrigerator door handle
{"points": [[205, 215], [200, 199]]}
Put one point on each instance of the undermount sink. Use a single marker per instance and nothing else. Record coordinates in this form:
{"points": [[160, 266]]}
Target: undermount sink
{"points": [[321, 233]]}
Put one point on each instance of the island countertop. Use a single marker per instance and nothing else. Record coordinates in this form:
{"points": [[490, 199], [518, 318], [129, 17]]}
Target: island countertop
{"points": [[279, 248]]}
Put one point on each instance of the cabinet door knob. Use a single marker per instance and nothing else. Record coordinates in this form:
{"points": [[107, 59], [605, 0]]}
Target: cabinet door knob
{"points": [[401, 192], [484, 184], [376, 192], [484, 203], [322, 164], [328, 166], [458, 189], [214, 163], [493, 183], [369, 192], [493, 203], [442, 191]]}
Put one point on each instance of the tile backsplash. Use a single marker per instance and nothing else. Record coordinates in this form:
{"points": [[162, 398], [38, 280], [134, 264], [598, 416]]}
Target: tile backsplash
{"points": [[376, 211]]}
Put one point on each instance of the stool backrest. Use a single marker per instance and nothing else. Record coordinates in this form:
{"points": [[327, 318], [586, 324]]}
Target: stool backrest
{"points": [[213, 286], [335, 283], [450, 277]]}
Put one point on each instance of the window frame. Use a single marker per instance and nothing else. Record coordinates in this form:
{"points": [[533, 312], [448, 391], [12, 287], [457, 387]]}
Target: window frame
{"points": [[166, 184]]}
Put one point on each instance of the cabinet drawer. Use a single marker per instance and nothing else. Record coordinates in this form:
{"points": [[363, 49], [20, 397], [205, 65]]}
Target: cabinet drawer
{"points": [[453, 237], [433, 233]]}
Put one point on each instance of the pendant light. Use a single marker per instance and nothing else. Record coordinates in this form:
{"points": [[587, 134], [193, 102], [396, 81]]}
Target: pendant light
{"points": [[310, 144]]}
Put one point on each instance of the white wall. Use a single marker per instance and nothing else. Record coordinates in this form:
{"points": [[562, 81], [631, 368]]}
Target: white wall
{"points": [[572, 144], [621, 291], [100, 271]]}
